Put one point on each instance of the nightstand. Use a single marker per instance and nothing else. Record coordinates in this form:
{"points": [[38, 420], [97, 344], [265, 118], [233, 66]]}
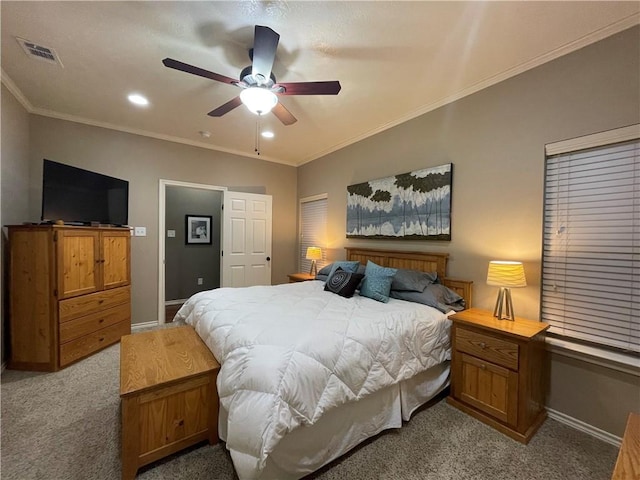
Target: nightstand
{"points": [[499, 371], [300, 277]]}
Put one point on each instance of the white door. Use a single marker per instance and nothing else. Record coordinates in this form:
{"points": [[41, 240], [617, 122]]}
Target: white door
{"points": [[246, 244]]}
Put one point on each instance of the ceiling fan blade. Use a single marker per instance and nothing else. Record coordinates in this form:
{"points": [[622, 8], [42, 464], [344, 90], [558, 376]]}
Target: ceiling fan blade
{"points": [[283, 114], [265, 43], [310, 88], [226, 108], [185, 67]]}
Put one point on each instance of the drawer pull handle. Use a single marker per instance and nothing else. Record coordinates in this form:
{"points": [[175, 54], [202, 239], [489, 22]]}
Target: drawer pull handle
{"points": [[101, 320], [100, 302], [101, 339], [483, 345], [483, 366]]}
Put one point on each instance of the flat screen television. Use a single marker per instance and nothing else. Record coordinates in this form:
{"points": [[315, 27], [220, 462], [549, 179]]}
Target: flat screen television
{"points": [[80, 197]]}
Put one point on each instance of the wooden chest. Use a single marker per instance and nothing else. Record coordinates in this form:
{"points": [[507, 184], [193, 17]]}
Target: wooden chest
{"points": [[169, 396]]}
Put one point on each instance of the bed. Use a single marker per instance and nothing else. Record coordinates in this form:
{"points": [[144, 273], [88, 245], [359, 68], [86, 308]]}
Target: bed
{"points": [[307, 375]]}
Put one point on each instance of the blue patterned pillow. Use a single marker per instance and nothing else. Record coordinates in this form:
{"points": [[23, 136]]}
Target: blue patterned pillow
{"points": [[343, 283], [377, 282]]}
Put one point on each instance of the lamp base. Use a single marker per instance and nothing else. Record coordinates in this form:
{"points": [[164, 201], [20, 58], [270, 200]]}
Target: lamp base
{"points": [[313, 270], [504, 301]]}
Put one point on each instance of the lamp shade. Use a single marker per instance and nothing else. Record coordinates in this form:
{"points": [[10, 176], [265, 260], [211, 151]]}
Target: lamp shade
{"points": [[258, 100], [314, 253], [506, 274]]}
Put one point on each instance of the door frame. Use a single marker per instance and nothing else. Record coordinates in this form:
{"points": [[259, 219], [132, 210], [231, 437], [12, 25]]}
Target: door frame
{"points": [[161, 233]]}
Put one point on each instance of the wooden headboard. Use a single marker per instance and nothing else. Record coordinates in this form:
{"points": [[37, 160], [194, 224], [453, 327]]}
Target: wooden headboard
{"points": [[422, 261]]}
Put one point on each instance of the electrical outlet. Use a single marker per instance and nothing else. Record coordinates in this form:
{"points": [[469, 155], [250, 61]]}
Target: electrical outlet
{"points": [[200, 280], [141, 231], [171, 233]]}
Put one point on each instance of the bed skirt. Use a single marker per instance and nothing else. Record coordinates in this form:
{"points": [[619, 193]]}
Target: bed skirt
{"points": [[307, 449]]}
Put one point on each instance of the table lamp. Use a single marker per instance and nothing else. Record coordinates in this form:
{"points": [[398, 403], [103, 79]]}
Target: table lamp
{"points": [[313, 254], [505, 275]]}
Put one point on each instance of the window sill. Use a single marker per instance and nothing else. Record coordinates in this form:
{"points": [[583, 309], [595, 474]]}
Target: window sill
{"points": [[605, 358]]}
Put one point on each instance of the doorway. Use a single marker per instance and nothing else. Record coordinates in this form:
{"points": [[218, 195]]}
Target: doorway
{"points": [[187, 265]]}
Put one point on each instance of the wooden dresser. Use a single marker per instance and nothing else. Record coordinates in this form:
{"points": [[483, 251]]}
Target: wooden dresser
{"points": [[498, 371], [69, 293]]}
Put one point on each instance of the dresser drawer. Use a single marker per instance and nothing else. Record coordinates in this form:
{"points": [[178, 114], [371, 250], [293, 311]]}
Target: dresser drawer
{"points": [[86, 304], [83, 346], [79, 327], [492, 349]]}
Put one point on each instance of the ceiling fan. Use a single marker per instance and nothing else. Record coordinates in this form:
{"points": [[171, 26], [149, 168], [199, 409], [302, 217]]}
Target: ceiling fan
{"points": [[257, 81]]}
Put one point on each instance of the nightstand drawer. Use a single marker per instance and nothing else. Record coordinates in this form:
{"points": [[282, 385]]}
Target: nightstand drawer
{"points": [[492, 349]]}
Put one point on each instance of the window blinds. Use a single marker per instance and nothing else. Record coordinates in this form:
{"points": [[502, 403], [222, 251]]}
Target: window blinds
{"points": [[313, 224], [591, 246]]}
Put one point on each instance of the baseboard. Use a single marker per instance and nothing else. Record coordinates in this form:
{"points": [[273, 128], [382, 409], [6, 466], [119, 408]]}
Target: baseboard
{"points": [[175, 302], [584, 427], [3, 366], [142, 326]]}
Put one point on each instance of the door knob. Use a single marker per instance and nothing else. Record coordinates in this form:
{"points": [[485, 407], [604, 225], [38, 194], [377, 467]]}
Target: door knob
{"points": [[268, 259]]}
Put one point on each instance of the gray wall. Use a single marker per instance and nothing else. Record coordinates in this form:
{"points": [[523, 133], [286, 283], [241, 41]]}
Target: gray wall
{"points": [[14, 181], [495, 139], [143, 162], [185, 263]]}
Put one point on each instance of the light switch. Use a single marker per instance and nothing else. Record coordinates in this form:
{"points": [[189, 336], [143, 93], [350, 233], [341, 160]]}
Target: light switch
{"points": [[171, 233], [200, 280], [141, 231]]}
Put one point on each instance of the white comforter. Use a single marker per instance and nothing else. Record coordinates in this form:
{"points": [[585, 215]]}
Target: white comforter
{"points": [[290, 352]]}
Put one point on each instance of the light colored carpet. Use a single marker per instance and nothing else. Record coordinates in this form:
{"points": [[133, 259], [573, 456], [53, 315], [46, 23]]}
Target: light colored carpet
{"points": [[66, 425]]}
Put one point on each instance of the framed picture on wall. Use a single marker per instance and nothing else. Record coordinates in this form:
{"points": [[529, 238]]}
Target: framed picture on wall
{"points": [[198, 229]]}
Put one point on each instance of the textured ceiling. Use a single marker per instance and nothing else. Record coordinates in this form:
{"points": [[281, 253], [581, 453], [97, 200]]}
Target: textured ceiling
{"points": [[395, 61]]}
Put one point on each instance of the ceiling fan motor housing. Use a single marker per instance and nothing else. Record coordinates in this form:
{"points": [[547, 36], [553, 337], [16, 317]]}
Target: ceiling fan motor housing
{"points": [[247, 78]]}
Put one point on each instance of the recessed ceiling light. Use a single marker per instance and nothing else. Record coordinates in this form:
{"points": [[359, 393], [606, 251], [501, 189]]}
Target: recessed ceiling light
{"points": [[138, 99], [268, 134]]}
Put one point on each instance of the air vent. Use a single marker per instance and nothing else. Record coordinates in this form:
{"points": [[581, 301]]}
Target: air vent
{"points": [[39, 52]]}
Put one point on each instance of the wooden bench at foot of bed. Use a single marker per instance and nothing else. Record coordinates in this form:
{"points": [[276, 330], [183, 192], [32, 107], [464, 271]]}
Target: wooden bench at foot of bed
{"points": [[169, 395]]}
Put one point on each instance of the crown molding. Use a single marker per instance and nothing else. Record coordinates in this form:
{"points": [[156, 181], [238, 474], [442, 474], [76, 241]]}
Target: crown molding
{"points": [[158, 136], [13, 88], [570, 47]]}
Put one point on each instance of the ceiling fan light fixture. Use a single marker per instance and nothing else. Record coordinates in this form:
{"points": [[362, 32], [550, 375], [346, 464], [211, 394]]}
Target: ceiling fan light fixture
{"points": [[258, 100]]}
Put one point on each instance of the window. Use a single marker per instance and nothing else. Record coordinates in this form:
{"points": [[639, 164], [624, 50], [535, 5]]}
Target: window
{"points": [[591, 242], [313, 228]]}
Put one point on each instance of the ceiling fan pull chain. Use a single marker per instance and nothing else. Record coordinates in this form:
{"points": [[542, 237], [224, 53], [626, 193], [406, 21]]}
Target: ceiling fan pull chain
{"points": [[257, 142]]}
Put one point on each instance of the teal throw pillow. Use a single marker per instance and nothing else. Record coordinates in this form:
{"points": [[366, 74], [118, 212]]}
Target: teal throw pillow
{"points": [[377, 282]]}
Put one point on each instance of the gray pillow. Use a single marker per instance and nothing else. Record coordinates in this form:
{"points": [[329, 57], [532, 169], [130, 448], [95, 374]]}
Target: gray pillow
{"points": [[435, 295], [325, 270], [347, 266], [413, 280]]}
